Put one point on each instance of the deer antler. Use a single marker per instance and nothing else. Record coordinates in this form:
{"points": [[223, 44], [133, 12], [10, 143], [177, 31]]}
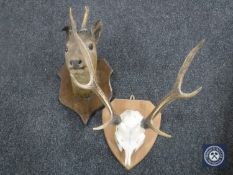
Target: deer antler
{"points": [[92, 84], [85, 18], [175, 93]]}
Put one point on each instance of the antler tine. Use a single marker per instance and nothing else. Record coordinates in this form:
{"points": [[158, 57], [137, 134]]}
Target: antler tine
{"points": [[115, 120], [92, 84], [85, 18], [188, 60], [72, 21], [176, 92]]}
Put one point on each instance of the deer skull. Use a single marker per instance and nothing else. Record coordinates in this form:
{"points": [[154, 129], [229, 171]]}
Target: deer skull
{"points": [[129, 134]]}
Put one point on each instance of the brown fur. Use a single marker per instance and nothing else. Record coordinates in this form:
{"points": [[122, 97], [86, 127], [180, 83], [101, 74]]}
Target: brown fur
{"points": [[73, 56]]}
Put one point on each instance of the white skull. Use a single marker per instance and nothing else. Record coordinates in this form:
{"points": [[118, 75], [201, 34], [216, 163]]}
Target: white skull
{"points": [[129, 134]]}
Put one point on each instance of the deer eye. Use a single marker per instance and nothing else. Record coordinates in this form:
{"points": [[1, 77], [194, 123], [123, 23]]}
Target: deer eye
{"points": [[66, 49], [90, 46]]}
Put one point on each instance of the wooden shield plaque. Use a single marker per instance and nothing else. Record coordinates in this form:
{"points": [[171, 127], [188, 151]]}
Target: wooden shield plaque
{"points": [[85, 107], [144, 107]]}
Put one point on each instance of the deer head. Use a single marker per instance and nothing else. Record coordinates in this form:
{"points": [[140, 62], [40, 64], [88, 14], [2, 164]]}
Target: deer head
{"points": [[130, 125], [76, 40], [73, 56]]}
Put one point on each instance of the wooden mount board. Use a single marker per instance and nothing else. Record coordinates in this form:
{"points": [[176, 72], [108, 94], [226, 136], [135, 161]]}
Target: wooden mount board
{"points": [[144, 107]]}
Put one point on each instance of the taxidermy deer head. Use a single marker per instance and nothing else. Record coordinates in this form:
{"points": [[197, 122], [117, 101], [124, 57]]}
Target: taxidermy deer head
{"points": [[131, 125], [81, 46], [74, 59]]}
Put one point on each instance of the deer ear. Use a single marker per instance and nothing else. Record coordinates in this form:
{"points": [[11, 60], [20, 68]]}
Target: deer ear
{"points": [[66, 29], [97, 29]]}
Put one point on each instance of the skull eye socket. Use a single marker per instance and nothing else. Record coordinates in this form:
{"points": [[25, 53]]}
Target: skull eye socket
{"points": [[90, 46]]}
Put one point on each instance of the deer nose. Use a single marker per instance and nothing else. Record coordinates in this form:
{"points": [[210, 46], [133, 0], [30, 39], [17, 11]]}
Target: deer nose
{"points": [[76, 64]]}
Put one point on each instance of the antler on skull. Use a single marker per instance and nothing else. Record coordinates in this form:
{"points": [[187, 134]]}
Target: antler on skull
{"points": [[92, 84], [175, 93]]}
